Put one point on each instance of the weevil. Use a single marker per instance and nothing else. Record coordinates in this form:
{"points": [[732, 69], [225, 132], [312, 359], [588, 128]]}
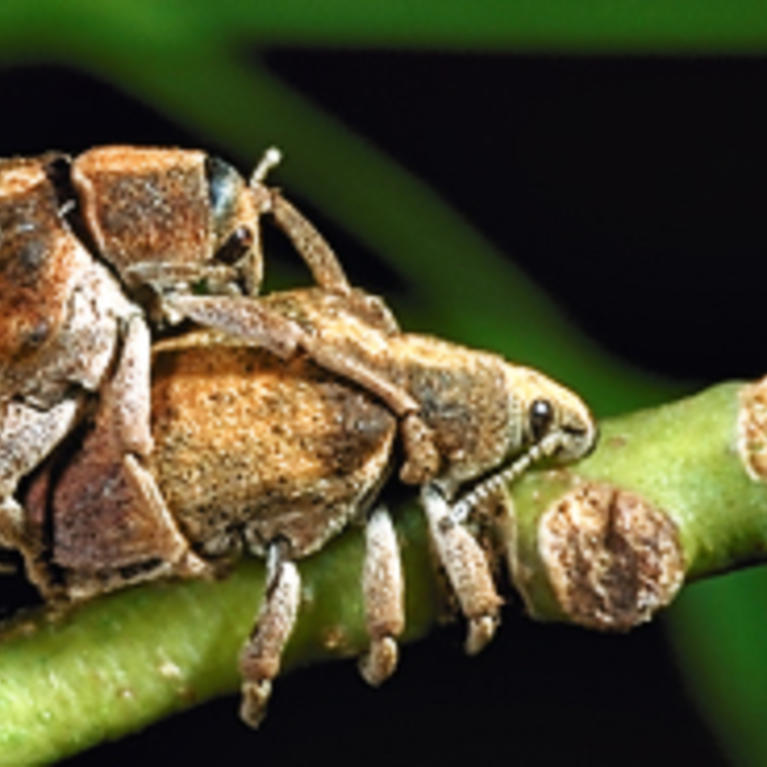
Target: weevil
{"points": [[274, 457], [92, 247]]}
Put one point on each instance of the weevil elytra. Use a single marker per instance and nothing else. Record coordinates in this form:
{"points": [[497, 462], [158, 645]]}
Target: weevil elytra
{"points": [[275, 457], [78, 240]]}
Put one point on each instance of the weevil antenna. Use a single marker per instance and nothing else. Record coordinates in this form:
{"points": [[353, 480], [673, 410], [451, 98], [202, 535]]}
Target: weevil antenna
{"points": [[270, 159], [464, 506]]}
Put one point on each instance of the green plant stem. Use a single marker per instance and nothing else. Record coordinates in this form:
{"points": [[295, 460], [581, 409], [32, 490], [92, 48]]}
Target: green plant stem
{"points": [[111, 667]]}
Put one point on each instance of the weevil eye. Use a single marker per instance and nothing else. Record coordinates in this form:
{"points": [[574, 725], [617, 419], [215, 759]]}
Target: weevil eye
{"points": [[541, 415], [225, 186]]}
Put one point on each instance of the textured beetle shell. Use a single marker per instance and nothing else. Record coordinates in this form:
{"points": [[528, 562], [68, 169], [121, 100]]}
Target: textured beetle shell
{"points": [[166, 190], [58, 306], [37, 260], [151, 209], [462, 393], [245, 442]]}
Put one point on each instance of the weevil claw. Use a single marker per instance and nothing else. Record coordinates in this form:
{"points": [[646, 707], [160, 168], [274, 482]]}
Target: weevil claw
{"points": [[481, 631], [255, 696], [380, 661]]}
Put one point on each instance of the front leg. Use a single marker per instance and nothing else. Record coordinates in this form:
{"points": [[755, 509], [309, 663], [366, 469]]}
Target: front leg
{"points": [[259, 324], [262, 653], [243, 317], [467, 569], [125, 397], [310, 244]]}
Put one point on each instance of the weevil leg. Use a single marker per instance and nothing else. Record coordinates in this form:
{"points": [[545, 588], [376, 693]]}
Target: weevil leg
{"points": [[126, 396], [423, 458], [258, 324], [27, 436], [382, 589], [260, 657], [244, 317], [467, 569], [310, 244], [11, 525], [109, 519], [108, 515], [328, 356]]}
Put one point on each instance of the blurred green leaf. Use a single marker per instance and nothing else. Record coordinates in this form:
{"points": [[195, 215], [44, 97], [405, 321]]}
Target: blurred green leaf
{"points": [[186, 59], [554, 25]]}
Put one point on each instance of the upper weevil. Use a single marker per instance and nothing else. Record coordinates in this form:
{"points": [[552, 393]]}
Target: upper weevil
{"points": [[91, 247]]}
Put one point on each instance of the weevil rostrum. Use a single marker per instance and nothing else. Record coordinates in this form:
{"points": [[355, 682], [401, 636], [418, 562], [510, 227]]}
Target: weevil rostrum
{"points": [[90, 249], [274, 457]]}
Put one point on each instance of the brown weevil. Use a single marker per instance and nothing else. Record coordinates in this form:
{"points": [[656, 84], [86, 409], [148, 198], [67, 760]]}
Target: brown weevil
{"points": [[274, 457], [269, 450], [79, 239]]}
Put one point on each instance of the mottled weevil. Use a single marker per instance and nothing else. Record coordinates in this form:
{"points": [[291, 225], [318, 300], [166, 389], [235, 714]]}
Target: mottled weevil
{"points": [[275, 457], [92, 247]]}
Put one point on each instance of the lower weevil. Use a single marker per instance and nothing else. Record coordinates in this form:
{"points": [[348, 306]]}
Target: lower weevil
{"points": [[275, 457]]}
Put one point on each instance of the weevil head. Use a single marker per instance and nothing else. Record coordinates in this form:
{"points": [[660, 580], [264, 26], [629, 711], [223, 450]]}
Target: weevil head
{"points": [[550, 416], [235, 215]]}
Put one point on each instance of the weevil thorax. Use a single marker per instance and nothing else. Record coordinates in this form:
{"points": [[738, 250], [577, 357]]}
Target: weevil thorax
{"points": [[548, 415], [170, 219]]}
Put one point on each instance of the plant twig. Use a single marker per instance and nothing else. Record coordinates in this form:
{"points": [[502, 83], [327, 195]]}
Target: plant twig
{"points": [[672, 493]]}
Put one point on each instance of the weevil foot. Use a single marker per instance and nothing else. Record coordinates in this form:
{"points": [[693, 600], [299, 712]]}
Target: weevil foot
{"points": [[255, 696], [380, 661], [481, 631]]}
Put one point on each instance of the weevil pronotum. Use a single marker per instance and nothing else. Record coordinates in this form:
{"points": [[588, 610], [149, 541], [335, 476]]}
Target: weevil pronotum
{"points": [[92, 246], [275, 457]]}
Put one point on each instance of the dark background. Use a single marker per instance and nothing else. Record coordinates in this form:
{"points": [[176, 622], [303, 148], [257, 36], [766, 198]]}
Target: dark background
{"points": [[631, 191]]}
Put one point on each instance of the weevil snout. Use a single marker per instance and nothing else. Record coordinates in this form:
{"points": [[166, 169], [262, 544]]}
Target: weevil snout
{"points": [[575, 426], [553, 417]]}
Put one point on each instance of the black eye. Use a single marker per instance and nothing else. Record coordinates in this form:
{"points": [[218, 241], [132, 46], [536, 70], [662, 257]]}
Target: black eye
{"points": [[224, 185], [541, 415]]}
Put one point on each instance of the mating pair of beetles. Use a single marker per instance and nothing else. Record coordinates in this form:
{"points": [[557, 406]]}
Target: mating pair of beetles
{"points": [[158, 417]]}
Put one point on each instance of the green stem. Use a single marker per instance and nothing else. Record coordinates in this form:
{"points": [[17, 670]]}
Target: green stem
{"points": [[110, 667]]}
